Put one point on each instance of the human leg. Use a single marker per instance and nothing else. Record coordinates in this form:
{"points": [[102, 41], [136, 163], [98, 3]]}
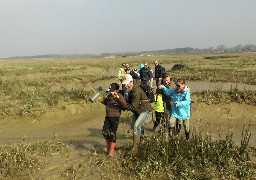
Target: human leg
{"points": [[133, 120], [105, 133], [186, 128], [178, 125], [113, 128], [158, 118], [137, 129], [140, 121], [106, 127], [172, 123]]}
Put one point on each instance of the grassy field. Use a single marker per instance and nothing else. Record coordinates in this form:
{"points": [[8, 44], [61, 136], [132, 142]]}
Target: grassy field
{"points": [[31, 89]]}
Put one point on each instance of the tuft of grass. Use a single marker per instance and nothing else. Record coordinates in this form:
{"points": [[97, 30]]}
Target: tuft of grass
{"points": [[233, 95], [24, 158], [198, 158]]}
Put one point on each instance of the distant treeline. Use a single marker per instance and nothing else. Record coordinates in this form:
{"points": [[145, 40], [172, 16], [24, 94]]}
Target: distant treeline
{"points": [[249, 48], [218, 49]]}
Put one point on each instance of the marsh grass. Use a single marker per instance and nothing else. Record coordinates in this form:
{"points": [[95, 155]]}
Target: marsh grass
{"points": [[233, 95], [30, 88], [199, 158], [25, 158]]}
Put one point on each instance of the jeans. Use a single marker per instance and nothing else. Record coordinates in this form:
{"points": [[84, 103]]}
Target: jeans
{"points": [[138, 121]]}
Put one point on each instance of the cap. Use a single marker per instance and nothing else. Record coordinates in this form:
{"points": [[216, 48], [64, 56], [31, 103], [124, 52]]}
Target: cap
{"points": [[165, 75], [112, 87], [145, 64], [126, 79]]}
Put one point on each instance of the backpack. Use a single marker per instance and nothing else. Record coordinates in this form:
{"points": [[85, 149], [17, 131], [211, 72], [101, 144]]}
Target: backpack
{"points": [[149, 92], [163, 70]]}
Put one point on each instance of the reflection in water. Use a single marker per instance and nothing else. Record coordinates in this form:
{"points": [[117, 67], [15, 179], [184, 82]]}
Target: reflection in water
{"points": [[195, 86]]}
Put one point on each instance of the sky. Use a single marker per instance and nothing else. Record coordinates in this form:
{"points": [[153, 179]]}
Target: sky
{"points": [[39, 27]]}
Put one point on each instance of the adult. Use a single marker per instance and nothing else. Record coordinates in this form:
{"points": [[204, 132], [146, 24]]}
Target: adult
{"points": [[180, 105], [159, 71], [114, 103], [126, 79], [167, 100], [168, 83], [146, 74], [134, 73], [139, 104], [121, 71], [141, 66]]}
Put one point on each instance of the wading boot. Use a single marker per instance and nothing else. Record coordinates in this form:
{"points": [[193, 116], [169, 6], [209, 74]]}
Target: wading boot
{"points": [[178, 127], [106, 148], [112, 148], [171, 132], [136, 141]]}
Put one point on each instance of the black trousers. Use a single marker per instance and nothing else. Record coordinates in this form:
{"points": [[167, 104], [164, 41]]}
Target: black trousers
{"points": [[158, 115], [110, 127]]}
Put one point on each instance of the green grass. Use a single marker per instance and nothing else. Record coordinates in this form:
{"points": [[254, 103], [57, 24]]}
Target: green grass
{"points": [[199, 158], [25, 158], [27, 88]]}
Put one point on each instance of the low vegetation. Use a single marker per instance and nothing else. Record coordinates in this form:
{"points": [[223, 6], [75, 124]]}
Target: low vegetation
{"points": [[201, 157], [198, 158], [31, 88], [24, 159]]}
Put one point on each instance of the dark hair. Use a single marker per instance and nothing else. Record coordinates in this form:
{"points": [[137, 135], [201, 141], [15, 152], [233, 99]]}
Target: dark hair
{"points": [[127, 69], [180, 80]]}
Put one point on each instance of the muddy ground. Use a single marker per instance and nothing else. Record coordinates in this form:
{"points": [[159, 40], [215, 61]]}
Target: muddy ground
{"points": [[80, 126]]}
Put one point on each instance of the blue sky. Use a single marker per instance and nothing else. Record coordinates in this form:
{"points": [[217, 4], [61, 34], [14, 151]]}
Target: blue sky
{"points": [[36, 27]]}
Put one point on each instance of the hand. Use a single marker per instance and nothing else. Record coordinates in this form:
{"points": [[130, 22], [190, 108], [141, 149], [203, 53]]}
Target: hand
{"points": [[115, 95], [176, 104], [100, 98], [160, 86]]}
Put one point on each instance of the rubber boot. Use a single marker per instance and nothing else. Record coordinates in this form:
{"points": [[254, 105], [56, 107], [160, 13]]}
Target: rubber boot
{"points": [[112, 148], [136, 141], [187, 135], [106, 148], [178, 127], [171, 132]]}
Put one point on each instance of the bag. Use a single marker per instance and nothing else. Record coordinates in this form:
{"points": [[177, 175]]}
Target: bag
{"points": [[149, 92]]}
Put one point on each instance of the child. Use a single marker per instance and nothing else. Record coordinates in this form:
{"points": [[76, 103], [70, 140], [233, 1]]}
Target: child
{"points": [[159, 108], [114, 103]]}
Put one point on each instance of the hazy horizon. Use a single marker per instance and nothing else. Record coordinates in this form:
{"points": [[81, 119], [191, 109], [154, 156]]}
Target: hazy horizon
{"points": [[38, 27]]}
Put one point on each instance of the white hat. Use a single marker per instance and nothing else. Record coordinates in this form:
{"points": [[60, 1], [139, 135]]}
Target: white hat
{"points": [[126, 79]]}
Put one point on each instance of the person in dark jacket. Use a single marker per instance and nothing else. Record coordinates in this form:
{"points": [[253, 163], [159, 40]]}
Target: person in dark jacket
{"points": [[168, 83], [114, 103], [134, 73], [139, 104], [146, 74], [159, 71]]}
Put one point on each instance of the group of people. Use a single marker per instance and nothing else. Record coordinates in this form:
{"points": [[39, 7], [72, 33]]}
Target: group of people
{"points": [[172, 102]]}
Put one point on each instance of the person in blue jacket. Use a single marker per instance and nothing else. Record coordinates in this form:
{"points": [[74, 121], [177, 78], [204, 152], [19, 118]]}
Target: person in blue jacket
{"points": [[180, 106]]}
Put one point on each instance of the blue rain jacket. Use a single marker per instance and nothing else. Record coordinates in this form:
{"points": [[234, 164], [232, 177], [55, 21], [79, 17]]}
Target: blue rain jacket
{"points": [[182, 111]]}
